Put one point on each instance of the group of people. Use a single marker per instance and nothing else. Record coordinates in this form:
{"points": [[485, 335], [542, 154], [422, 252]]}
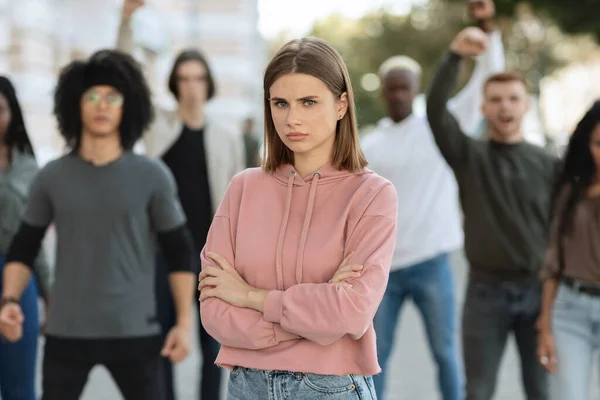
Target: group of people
{"points": [[299, 267]]}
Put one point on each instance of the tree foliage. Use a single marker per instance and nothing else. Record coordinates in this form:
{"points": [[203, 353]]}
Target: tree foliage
{"points": [[573, 17]]}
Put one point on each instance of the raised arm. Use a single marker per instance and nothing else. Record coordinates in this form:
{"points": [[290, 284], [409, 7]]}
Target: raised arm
{"points": [[229, 325], [326, 312], [125, 34], [465, 105], [454, 145]]}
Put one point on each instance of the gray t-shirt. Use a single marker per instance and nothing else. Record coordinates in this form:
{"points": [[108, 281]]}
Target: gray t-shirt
{"points": [[106, 221]]}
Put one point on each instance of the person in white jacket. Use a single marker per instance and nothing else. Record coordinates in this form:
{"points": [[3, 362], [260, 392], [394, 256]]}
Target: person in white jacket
{"points": [[403, 150], [203, 154]]}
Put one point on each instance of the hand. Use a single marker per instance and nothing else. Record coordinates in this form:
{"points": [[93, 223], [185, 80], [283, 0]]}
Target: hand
{"points": [[224, 283], [346, 271], [177, 344], [11, 322], [470, 42], [129, 7], [481, 10], [545, 350]]}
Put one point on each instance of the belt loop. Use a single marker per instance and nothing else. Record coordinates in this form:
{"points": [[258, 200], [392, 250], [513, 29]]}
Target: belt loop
{"points": [[576, 286]]}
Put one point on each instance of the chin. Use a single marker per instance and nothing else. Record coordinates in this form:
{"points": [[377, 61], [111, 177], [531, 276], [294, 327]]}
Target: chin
{"points": [[101, 132]]}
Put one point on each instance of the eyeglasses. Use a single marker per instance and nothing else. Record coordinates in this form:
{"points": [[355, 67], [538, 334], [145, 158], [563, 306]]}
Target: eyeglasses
{"points": [[112, 99]]}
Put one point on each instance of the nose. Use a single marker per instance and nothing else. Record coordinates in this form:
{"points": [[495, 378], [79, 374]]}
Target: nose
{"points": [[103, 103], [292, 116]]}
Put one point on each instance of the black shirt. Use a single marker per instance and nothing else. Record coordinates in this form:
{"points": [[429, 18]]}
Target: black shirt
{"points": [[505, 190], [187, 161]]}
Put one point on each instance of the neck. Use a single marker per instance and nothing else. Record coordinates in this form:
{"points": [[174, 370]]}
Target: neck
{"points": [[506, 139], [192, 115], [100, 150], [401, 118], [308, 164]]}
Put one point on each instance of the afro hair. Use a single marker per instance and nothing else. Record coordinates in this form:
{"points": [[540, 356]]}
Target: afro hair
{"points": [[117, 69]]}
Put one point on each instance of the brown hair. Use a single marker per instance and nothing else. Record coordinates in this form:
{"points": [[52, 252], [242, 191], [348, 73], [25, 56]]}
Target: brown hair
{"points": [[315, 57], [505, 77], [191, 55]]}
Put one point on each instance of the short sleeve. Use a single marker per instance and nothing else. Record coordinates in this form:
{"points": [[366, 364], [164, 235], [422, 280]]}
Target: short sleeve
{"points": [[166, 212], [39, 205]]}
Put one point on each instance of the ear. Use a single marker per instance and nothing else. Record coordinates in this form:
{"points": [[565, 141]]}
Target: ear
{"points": [[342, 104]]}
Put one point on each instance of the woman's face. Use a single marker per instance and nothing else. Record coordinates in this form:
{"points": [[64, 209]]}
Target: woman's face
{"points": [[5, 115], [305, 114]]}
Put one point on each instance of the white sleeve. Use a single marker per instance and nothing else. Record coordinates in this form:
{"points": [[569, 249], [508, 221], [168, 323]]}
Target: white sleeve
{"points": [[465, 106]]}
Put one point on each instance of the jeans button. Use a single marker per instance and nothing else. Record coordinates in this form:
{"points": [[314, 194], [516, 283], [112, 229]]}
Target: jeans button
{"points": [[352, 387]]}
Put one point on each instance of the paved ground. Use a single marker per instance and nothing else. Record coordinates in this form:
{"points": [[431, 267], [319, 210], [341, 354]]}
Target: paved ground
{"points": [[412, 372]]}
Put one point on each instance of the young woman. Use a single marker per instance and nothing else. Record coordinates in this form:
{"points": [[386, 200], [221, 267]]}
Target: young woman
{"points": [[569, 318], [17, 170], [293, 324]]}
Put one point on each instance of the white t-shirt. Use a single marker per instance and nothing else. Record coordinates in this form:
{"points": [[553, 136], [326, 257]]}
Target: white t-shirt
{"points": [[429, 219]]}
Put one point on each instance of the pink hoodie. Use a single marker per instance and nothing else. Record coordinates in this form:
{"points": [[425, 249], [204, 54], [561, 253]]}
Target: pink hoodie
{"points": [[289, 235]]}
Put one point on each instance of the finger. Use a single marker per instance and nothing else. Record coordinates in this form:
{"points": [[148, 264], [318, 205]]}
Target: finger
{"points": [[342, 276], [168, 346], [180, 352], [210, 281], [211, 271], [347, 259], [207, 293]]}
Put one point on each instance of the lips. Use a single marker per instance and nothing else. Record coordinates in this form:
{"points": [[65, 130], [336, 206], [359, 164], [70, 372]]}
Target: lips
{"points": [[296, 135]]}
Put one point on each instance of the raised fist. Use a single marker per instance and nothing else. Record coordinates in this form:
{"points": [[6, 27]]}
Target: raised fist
{"points": [[129, 7], [481, 10], [470, 41]]}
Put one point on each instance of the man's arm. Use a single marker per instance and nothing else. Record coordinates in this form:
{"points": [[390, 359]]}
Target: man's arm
{"points": [[125, 33], [466, 104], [177, 247], [26, 244], [20, 260], [453, 143]]}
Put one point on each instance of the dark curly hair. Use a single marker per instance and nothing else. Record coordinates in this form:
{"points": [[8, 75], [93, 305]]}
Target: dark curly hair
{"points": [[577, 171], [16, 136], [110, 67]]}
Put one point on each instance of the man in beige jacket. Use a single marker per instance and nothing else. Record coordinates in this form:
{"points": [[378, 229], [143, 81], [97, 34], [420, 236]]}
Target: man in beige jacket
{"points": [[203, 154]]}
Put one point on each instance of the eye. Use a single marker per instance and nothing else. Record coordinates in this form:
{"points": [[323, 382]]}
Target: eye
{"points": [[93, 97], [115, 99], [280, 104], [309, 103]]}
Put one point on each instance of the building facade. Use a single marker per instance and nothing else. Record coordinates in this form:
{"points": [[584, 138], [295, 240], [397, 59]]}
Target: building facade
{"points": [[37, 37]]}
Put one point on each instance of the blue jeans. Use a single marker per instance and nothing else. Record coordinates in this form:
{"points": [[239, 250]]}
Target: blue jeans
{"points": [[17, 360], [430, 285], [576, 330], [491, 312], [252, 384]]}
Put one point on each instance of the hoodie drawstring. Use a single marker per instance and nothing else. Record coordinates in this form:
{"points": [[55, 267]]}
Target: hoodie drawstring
{"points": [[284, 222], [306, 225], [303, 235]]}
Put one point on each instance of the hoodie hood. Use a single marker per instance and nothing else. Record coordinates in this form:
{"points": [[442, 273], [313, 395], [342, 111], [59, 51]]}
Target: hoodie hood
{"points": [[287, 175]]}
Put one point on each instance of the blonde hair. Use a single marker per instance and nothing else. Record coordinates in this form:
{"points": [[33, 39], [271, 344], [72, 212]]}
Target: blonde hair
{"points": [[315, 57], [400, 63]]}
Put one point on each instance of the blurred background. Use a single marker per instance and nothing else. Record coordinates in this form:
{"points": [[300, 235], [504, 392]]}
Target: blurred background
{"points": [[553, 42]]}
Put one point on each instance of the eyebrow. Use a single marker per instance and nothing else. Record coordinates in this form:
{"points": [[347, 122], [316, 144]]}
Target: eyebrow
{"points": [[305, 98]]}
